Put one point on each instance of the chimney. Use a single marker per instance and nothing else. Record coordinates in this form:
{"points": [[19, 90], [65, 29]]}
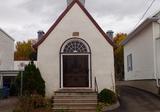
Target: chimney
{"points": [[40, 34], [110, 34], [70, 1]]}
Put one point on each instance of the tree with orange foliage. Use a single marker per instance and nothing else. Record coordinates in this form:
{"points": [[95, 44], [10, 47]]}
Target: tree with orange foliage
{"points": [[119, 56], [24, 50]]}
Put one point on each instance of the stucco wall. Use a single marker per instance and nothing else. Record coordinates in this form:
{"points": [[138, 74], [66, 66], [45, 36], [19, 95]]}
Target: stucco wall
{"points": [[6, 52], [102, 52], [141, 48]]}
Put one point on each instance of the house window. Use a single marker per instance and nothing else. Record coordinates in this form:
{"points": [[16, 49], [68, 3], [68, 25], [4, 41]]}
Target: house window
{"points": [[129, 63], [75, 47]]}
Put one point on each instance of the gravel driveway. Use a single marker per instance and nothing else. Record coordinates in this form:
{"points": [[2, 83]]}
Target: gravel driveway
{"points": [[7, 105], [135, 100]]}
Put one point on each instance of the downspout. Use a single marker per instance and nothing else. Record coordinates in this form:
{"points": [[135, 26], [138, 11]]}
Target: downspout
{"points": [[155, 64], [155, 57]]}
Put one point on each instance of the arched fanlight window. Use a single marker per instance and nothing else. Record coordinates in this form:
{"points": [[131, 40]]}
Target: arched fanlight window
{"points": [[75, 46]]}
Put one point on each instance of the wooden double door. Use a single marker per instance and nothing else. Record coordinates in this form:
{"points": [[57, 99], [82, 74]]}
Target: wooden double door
{"points": [[75, 71]]}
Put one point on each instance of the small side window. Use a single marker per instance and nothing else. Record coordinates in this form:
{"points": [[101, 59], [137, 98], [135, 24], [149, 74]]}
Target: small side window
{"points": [[129, 63]]}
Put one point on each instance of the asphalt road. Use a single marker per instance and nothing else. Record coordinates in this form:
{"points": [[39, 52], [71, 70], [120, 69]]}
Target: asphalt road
{"points": [[135, 100]]}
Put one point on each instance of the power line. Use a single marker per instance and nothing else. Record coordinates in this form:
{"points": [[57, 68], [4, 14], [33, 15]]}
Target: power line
{"points": [[144, 3], [145, 12]]}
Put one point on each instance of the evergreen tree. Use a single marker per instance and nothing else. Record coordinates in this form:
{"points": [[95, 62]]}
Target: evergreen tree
{"points": [[33, 83]]}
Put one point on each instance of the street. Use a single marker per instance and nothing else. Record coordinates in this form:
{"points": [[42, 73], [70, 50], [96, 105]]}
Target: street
{"points": [[135, 100]]}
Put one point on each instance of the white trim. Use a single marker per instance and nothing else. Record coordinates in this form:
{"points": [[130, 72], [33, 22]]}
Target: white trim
{"points": [[88, 53], [156, 63], [89, 72], [75, 39], [61, 71], [155, 57]]}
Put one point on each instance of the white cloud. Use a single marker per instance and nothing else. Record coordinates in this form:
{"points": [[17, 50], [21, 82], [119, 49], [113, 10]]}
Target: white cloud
{"points": [[23, 18]]}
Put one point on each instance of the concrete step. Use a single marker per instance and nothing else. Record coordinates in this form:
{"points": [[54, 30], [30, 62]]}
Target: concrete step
{"points": [[74, 110], [76, 93], [75, 105], [75, 90], [75, 100], [75, 97]]}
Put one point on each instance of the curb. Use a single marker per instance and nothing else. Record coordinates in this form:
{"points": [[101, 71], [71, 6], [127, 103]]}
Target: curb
{"points": [[112, 107]]}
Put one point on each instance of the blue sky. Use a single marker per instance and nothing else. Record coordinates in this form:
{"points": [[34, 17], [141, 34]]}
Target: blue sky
{"points": [[23, 18]]}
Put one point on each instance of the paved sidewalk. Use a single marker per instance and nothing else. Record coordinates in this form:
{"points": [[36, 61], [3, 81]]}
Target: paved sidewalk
{"points": [[7, 105], [135, 100]]}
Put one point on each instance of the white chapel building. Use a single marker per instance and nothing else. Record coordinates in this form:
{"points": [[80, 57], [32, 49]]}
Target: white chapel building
{"points": [[76, 53]]}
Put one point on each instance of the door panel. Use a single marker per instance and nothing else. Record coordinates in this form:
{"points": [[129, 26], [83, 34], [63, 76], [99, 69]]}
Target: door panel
{"points": [[75, 71]]}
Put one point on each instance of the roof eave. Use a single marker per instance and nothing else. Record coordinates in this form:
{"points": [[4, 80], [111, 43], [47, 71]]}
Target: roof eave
{"points": [[35, 46], [138, 29], [7, 34]]}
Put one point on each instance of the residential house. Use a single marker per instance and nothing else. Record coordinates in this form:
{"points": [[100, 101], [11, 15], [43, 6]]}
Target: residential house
{"points": [[142, 50], [6, 51], [6, 59]]}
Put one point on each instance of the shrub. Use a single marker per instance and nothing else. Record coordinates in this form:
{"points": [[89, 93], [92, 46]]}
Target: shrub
{"points": [[32, 81], [107, 96], [35, 103]]}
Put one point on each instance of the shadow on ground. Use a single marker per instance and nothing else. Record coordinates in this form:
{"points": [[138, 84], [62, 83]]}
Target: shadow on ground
{"points": [[135, 100], [7, 105]]}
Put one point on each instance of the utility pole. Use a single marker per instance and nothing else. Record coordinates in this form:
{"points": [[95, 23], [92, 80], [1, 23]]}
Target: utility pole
{"points": [[21, 91], [21, 68]]}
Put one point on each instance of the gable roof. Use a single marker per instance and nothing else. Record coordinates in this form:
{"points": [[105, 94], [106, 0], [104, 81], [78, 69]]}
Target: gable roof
{"points": [[146, 22], [64, 13], [7, 34]]}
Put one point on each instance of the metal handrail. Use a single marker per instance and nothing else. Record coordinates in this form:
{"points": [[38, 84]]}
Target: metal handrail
{"points": [[96, 84]]}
